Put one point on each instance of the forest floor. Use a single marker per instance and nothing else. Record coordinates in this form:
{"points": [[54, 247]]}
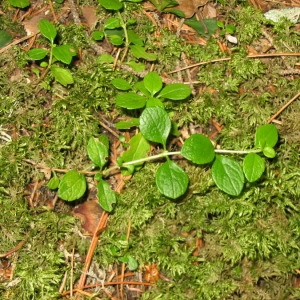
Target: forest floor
{"points": [[119, 230]]}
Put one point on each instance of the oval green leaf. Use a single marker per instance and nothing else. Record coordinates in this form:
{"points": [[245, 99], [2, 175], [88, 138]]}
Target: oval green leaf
{"points": [[253, 166], [72, 186], [153, 82], [53, 183], [112, 23], [63, 76], [121, 84], [266, 136], [198, 149], [64, 53], [139, 147], [19, 3], [37, 53], [175, 91], [171, 180], [269, 152], [111, 4], [155, 124], [97, 152], [130, 100], [106, 196], [228, 175], [140, 52], [48, 30]]}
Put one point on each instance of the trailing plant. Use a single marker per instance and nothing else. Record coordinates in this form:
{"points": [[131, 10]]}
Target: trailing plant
{"points": [[62, 53], [120, 33], [155, 126]]}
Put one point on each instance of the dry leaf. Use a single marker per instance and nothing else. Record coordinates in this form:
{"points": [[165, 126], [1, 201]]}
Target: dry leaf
{"points": [[89, 14], [89, 213], [189, 7]]}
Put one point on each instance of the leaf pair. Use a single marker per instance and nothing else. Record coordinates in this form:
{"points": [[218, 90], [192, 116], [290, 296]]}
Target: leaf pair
{"points": [[150, 92], [63, 53]]}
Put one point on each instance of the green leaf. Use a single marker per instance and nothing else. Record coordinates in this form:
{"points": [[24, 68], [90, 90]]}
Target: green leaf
{"points": [[19, 3], [105, 58], [37, 53], [111, 4], [63, 76], [130, 261], [106, 196], [112, 23], [253, 166], [53, 183], [72, 186], [155, 124], [134, 38], [266, 136], [48, 30], [97, 152], [139, 147], [154, 102], [140, 52], [269, 152], [228, 175], [205, 27], [141, 87], [171, 180], [138, 67], [64, 53], [116, 40], [128, 124], [175, 91], [121, 84], [130, 100], [153, 83], [5, 38], [98, 35], [198, 149]]}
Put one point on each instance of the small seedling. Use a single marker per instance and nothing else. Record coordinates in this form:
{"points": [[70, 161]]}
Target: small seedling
{"points": [[118, 31], [148, 93], [171, 180], [63, 53]]}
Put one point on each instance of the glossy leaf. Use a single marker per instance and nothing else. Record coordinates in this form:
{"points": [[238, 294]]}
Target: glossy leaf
{"points": [[19, 3], [37, 53], [72, 186], [130, 100], [106, 196], [139, 147], [266, 136], [153, 83], [63, 76], [140, 52], [228, 175], [48, 30], [253, 166], [175, 91], [269, 152], [128, 124], [112, 23], [171, 180], [155, 124], [64, 53], [198, 149], [53, 183], [97, 152], [111, 4], [121, 84]]}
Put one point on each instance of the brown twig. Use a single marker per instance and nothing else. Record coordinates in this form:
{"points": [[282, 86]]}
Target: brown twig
{"points": [[229, 58], [101, 226], [283, 108]]}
